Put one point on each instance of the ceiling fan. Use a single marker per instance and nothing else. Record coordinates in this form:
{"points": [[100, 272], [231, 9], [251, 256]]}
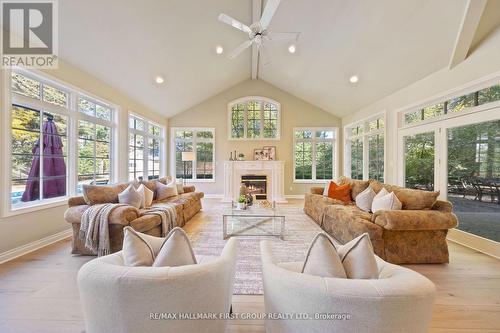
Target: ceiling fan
{"points": [[257, 31]]}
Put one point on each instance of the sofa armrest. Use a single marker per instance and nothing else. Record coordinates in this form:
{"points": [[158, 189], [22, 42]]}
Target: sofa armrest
{"points": [[76, 201], [442, 206], [317, 190], [414, 220], [120, 215], [188, 189]]}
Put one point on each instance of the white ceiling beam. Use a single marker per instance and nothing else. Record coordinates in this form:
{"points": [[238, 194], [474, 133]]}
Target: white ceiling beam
{"points": [[256, 12], [470, 21]]}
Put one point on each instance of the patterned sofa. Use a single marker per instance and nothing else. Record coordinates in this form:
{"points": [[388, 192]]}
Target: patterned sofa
{"points": [[415, 234], [186, 205]]}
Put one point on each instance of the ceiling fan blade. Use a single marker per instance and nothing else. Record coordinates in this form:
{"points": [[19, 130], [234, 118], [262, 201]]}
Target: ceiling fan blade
{"points": [[240, 49], [234, 23], [267, 15]]}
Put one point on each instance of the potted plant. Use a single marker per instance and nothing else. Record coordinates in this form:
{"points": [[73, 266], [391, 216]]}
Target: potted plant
{"points": [[241, 157], [241, 202]]}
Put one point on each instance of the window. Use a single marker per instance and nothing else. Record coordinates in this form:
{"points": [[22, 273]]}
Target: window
{"points": [[43, 112], [314, 151], [456, 104], [254, 118], [365, 146], [144, 149], [199, 141]]}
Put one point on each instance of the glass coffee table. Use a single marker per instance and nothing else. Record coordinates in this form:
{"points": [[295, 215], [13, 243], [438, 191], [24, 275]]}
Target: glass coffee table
{"points": [[255, 220]]}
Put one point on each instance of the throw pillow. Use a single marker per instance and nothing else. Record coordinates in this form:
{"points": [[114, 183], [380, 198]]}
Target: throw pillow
{"points": [[147, 196], [364, 199], [387, 201], [138, 248], [176, 250], [180, 186], [358, 259], [327, 186], [165, 191], [342, 192], [322, 258], [130, 196]]}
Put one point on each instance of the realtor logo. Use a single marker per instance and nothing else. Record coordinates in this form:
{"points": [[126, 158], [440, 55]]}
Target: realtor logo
{"points": [[29, 36]]}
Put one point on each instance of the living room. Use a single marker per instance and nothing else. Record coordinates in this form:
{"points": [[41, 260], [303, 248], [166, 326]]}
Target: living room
{"points": [[250, 166]]}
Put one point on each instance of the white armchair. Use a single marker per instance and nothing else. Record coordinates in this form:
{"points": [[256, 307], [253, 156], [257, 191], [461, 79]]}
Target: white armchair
{"points": [[121, 299], [400, 300]]}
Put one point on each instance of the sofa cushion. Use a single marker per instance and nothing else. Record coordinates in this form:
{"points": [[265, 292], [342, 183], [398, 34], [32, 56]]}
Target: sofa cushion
{"points": [[176, 250], [348, 222], [358, 258], [340, 192], [165, 191], [364, 199], [130, 196], [322, 258], [385, 201], [99, 194], [411, 199], [137, 250], [147, 196], [151, 184], [357, 186]]}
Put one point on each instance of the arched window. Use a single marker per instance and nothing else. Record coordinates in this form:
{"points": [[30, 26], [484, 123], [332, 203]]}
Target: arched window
{"points": [[254, 118]]}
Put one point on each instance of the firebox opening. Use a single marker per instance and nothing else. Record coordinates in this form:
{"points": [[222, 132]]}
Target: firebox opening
{"points": [[256, 185]]}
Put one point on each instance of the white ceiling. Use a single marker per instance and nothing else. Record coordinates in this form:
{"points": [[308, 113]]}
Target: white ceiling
{"points": [[388, 43]]}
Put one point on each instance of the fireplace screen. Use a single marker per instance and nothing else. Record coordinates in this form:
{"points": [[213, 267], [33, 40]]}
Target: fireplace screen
{"points": [[256, 185]]}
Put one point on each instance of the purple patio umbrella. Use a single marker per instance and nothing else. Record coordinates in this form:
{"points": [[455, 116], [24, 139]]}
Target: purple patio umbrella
{"points": [[54, 167]]}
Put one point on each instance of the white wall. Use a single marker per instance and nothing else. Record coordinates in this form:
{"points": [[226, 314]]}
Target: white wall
{"points": [[295, 112], [22, 229], [484, 61]]}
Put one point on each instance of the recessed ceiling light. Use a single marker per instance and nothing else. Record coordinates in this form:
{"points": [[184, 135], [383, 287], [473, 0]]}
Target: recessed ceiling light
{"points": [[159, 79], [219, 49], [353, 79], [292, 48]]}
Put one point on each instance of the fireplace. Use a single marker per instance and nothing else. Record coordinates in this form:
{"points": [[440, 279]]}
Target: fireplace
{"points": [[256, 185]]}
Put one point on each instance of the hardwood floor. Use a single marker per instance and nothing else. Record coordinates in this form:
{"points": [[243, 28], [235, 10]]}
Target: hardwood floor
{"points": [[38, 293]]}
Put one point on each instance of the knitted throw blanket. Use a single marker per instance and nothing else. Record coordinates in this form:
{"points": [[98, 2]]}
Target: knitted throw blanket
{"points": [[94, 228], [166, 212]]}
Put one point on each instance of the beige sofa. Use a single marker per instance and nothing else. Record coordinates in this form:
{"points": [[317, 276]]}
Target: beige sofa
{"points": [[400, 300], [186, 205], [415, 234]]}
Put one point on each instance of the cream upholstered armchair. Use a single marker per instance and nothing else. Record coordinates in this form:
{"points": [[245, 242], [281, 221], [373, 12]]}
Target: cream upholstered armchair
{"points": [[121, 299], [400, 300]]}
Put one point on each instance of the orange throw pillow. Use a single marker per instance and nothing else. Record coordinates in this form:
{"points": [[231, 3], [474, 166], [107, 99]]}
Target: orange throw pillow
{"points": [[342, 192]]}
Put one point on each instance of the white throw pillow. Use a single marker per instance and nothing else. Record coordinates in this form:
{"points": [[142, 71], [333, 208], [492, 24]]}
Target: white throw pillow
{"points": [[176, 250], [165, 191], [138, 248], [180, 186], [388, 201], [364, 199], [130, 196], [147, 196], [358, 259], [322, 258]]}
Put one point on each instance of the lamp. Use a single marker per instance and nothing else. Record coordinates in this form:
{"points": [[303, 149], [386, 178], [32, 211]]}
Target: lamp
{"points": [[186, 156]]}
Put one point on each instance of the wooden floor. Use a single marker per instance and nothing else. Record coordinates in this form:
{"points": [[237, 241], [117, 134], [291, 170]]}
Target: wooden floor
{"points": [[38, 293]]}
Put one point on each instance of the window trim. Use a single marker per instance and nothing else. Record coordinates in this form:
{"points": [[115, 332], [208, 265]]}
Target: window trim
{"points": [[335, 155], [173, 158], [365, 138], [147, 136], [245, 100], [73, 115]]}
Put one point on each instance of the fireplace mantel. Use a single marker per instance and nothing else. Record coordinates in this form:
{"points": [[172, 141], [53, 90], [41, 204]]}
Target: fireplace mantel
{"points": [[274, 170]]}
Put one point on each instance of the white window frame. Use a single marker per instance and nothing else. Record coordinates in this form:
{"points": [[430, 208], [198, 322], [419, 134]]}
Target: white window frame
{"points": [[146, 135], [348, 137], [194, 141], [73, 116], [245, 100], [314, 140]]}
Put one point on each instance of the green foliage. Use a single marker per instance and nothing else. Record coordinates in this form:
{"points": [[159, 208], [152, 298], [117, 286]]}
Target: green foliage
{"points": [[241, 199], [419, 160]]}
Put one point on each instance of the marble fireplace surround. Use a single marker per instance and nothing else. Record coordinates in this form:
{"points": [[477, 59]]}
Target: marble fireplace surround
{"points": [[273, 170]]}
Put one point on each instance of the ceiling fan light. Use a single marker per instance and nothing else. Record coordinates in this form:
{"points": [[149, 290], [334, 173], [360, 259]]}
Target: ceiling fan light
{"points": [[354, 79], [219, 49], [292, 48], [159, 79]]}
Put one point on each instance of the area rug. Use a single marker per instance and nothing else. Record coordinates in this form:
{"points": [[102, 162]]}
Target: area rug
{"points": [[205, 233]]}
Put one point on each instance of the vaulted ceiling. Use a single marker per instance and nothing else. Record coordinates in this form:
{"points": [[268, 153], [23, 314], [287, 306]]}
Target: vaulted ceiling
{"points": [[389, 44]]}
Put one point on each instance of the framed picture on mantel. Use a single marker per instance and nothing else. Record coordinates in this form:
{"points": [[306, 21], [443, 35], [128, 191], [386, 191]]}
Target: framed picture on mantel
{"points": [[270, 152]]}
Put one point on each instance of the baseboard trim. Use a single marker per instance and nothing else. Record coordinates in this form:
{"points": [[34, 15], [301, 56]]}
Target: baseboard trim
{"points": [[474, 242], [33, 246], [294, 196]]}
